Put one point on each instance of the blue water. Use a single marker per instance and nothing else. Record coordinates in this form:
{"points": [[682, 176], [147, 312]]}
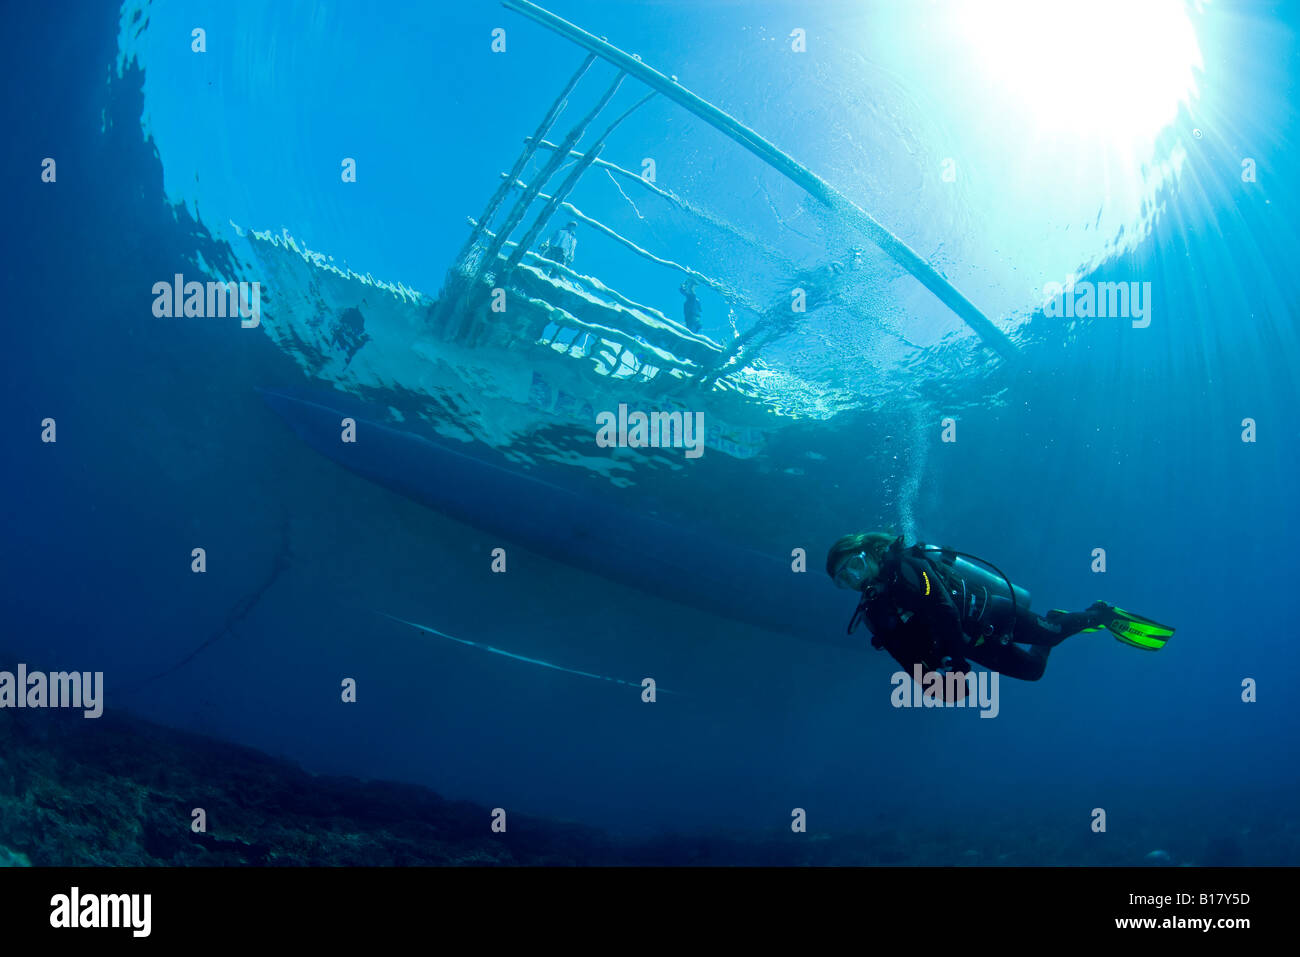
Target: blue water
{"points": [[1101, 435]]}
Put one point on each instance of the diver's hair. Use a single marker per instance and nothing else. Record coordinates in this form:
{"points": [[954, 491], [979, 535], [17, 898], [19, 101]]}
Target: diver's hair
{"points": [[875, 544]]}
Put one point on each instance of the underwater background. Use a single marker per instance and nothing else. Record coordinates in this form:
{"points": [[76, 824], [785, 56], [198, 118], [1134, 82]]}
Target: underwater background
{"points": [[1158, 146]]}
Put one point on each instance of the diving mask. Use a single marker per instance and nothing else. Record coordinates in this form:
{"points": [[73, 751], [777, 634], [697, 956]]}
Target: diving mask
{"points": [[856, 572]]}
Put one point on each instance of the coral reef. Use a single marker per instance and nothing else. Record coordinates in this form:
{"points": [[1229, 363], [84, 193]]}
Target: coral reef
{"points": [[121, 791]]}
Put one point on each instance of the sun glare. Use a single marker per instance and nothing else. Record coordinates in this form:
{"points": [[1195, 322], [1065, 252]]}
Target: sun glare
{"points": [[1114, 70]]}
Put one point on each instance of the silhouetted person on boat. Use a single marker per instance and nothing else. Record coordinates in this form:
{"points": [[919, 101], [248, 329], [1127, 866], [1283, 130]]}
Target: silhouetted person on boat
{"points": [[691, 308], [562, 246]]}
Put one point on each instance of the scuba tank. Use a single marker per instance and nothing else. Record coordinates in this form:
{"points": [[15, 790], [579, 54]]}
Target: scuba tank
{"points": [[987, 599]]}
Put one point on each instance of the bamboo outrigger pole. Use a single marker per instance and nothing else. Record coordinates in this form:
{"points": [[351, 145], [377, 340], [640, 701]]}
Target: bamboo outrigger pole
{"points": [[567, 186], [811, 183], [530, 148], [556, 161]]}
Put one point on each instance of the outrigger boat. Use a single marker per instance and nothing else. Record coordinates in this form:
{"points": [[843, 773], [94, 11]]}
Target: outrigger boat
{"points": [[556, 351], [566, 335], [488, 258]]}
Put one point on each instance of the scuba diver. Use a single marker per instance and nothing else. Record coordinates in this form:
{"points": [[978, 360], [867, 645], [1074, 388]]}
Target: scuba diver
{"points": [[942, 609]]}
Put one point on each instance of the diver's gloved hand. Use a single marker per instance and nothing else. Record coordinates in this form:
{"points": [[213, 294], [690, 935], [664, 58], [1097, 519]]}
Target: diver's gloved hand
{"points": [[954, 663]]}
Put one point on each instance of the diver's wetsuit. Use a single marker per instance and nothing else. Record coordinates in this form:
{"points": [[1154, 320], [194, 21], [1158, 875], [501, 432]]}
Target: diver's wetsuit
{"points": [[912, 615]]}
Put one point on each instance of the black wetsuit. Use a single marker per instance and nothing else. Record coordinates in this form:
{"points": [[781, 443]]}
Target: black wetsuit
{"points": [[912, 614]]}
